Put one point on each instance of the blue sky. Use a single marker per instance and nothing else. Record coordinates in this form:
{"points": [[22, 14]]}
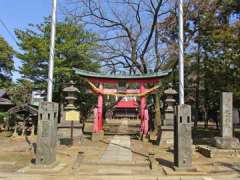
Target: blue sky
{"points": [[18, 14]]}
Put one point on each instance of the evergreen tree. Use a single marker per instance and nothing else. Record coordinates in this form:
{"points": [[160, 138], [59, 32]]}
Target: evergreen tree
{"points": [[6, 63], [74, 47]]}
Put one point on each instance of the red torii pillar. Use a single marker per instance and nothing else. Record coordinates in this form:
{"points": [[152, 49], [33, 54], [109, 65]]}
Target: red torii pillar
{"points": [[95, 121], [146, 121], [100, 109], [142, 106]]}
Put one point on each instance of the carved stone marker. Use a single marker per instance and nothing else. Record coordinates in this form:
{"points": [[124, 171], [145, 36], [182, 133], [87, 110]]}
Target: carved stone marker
{"points": [[183, 138], [226, 114], [47, 133], [226, 141]]}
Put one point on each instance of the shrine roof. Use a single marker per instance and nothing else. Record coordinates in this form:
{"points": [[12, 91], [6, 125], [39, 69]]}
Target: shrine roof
{"points": [[155, 75]]}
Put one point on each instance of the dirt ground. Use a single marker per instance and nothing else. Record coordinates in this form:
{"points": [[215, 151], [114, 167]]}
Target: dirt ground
{"points": [[16, 154]]}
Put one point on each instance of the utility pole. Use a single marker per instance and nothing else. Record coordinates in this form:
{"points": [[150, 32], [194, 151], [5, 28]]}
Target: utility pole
{"points": [[51, 55], [181, 55]]}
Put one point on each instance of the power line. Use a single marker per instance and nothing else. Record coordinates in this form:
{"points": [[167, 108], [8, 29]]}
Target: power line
{"points": [[8, 31]]}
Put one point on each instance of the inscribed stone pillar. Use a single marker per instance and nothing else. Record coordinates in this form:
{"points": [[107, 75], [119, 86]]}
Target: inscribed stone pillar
{"points": [[47, 133], [183, 138], [226, 114], [226, 141]]}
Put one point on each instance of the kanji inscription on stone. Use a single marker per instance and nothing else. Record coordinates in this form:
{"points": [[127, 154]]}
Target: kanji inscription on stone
{"points": [[226, 114], [45, 130]]}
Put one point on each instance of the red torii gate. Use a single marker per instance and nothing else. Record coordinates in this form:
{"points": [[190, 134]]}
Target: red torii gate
{"points": [[142, 92]]}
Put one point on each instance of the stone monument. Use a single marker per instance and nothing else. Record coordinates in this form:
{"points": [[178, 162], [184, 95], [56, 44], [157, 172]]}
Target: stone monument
{"points": [[226, 141], [166, 131], [47, 133], [183, 138]]}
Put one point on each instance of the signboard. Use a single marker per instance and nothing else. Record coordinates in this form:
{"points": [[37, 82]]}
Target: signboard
{"points": [[72, 115]]}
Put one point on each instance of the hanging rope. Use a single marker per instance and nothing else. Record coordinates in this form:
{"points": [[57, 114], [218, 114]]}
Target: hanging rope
{"points": [[99, 91]]}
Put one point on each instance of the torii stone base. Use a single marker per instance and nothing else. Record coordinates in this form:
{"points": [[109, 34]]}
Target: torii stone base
{"points": [[97, 136]]}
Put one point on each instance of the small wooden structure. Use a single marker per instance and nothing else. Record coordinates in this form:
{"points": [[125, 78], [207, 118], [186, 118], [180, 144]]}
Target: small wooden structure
{"points": [[5, 102], [126, 109], [24, 118]]}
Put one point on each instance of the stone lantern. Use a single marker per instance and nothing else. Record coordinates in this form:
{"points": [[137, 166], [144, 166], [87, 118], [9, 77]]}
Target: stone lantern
{"points": [[168, 122], [169, 106], [70, 98], [70, 127]]}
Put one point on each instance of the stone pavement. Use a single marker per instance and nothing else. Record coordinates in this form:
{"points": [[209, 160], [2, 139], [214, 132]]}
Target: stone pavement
{"points": [[14, 176], [119, 148]]}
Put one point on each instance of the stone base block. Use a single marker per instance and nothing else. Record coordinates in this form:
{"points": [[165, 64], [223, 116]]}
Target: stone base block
{"points": [[138, 163], [153, 136], [39, 169], [166, 137], [145, 139], [97, 136], [174, 171], [184, 169], [169, 118], [64, 135], [226, 143], [140, 135], [213, 152]]}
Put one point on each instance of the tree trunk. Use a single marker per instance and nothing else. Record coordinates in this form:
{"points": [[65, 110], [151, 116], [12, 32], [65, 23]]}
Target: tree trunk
{"points": [[206, 109], [61, 105], [197, 88], [157, 122]]}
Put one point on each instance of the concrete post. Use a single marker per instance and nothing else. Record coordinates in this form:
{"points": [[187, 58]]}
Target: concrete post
{"points": [[183, 138], [47, 133]]}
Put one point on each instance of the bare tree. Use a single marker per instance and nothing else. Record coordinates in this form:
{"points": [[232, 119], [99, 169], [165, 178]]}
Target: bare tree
{"points": [[128, 31]]}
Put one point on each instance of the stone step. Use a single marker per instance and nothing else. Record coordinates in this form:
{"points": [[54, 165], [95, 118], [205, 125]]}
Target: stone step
{"points": [[117, 163]]}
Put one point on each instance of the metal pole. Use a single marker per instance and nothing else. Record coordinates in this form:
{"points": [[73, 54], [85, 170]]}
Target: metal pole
{"points": [[51, 55], [181, 58]]}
